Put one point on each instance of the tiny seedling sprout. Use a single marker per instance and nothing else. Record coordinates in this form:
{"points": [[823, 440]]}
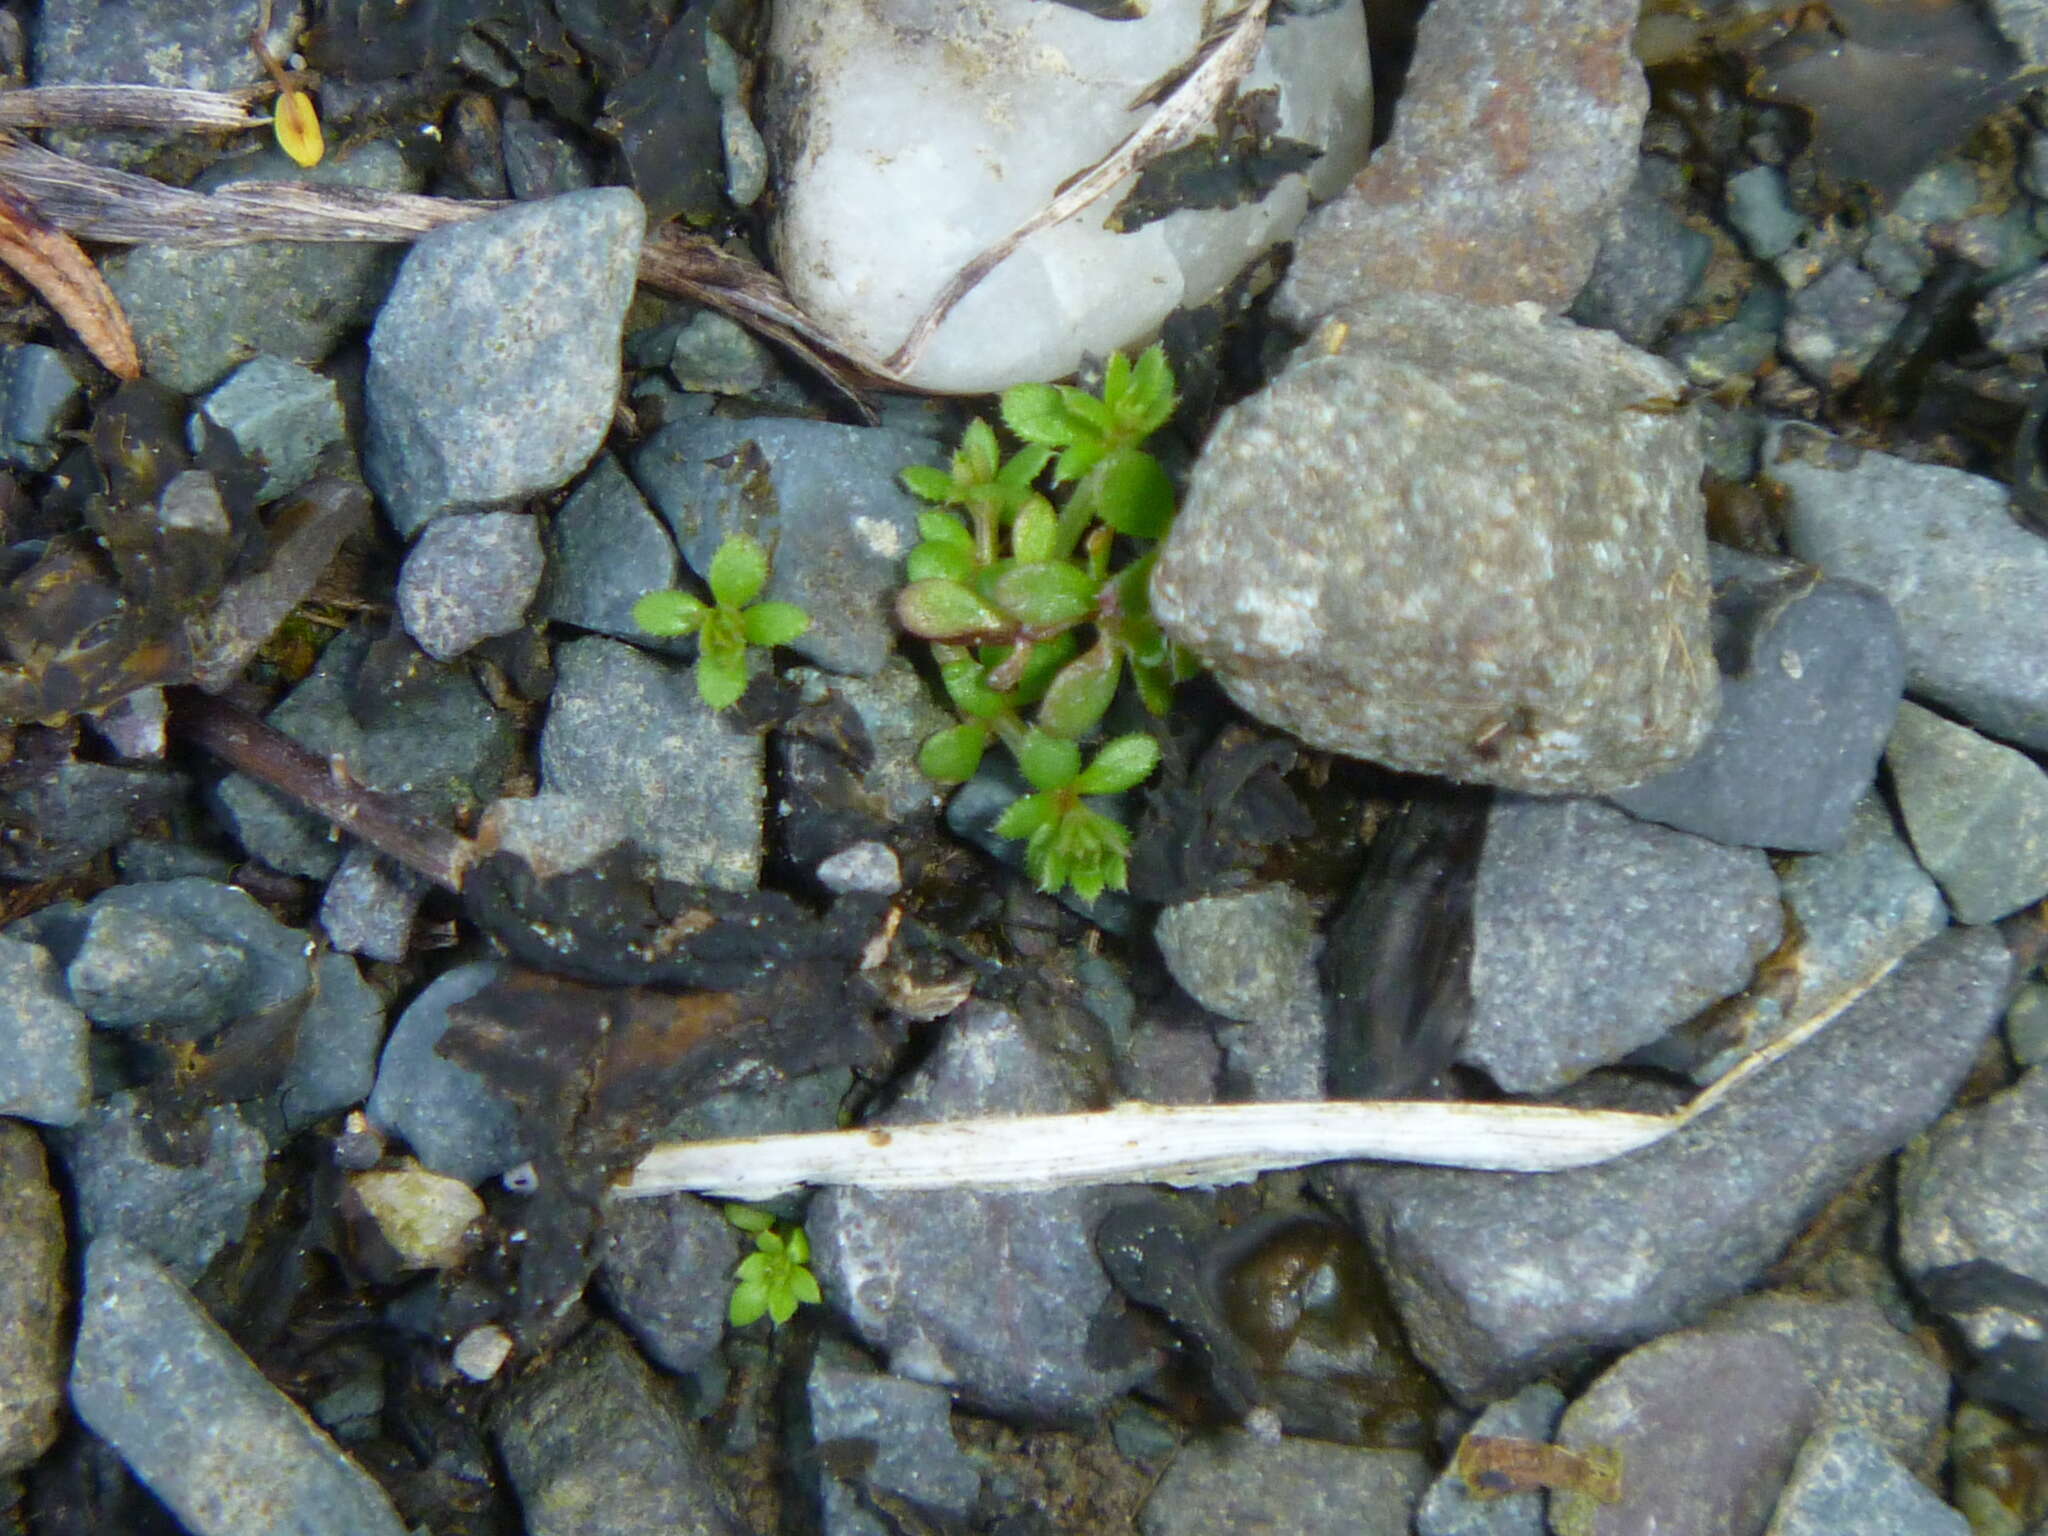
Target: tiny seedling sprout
{"points": [[727, 625]]}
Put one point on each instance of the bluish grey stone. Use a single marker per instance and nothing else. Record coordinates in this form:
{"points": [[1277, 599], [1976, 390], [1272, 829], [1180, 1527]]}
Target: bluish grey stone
{"points": [[1968, 582], [334, 1063], [277, 414], [808, 1102], [1838, 323], [714, 355], [1490, 1270], [1811, 676], [666, 1273], [138, 968], [197, 312], [902, 1432], [552, 832], [39, 396], [998, 1296], [158, 1379], [1739, 349], [2014, 315], [1844, 1480], [494, 365], [181, 1214], [1239, 954], [628, 729], [1649, 265], [448, 1114], [145, 860], [825, 501], [2026, 1025], [1977, 813], [1232, 1482], [1450, 1508], [897, 711], [539, 161], [1761, 210], [44, 1073], [605, 551], [468, 578], [369, 906], [1595, 933]]}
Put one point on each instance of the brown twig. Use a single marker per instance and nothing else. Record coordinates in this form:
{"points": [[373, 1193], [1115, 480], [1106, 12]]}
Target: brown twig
{"points": [[163, 108], [51, 262]]}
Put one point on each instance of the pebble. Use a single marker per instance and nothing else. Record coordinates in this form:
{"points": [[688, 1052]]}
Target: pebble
{"points": [[1451, 1508], [134, 725], [449, 1116], [425, 1217], [1368, 554], [605, 550], [482, 1352], [1239, 954], [39, 398], [61, 818], [2014, 315], [34, 1314], [1718, 354], [1760, 209], [369, 905], [553, 833], [1837, 324], [1649, 265], [1968, 582], [1595, 933], [592, 1443], [1232, 1482], [192, 1416], [995, 1295], [628, 729], [871, 867], [280, 416], [1845, 1480], [1704, 1428], [494, 364], [44, 1072], [899, 1433], [714, 355], [198, 311], [468, 578], [1811, 675], [2026, 1025], [898, 713], [1490, 1270], [1977, 813], [539, 161], [825, 502], [665, 1273], [334, 1063], [1516, 139]]}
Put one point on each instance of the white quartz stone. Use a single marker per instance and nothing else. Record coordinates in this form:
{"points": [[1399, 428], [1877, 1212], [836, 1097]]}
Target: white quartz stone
{"points": [[913, 134]]}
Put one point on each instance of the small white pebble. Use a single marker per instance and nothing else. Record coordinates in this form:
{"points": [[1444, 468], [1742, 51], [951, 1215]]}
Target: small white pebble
{"points": [[868, 867], [523, 1180], [481, 1351], [1263, 1424]]}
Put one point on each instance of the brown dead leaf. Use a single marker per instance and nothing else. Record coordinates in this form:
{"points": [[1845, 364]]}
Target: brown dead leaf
{"points": [[1494, 1466], [69, 283]]}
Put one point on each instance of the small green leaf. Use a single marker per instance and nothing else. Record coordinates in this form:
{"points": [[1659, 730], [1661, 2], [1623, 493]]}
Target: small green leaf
{"points": [[1148, 402], [1035, 413], [1027, 815], [775, 623], [1076, 461], [967, 686], [1042, 666], [975, 463], [944, 528], [1087, 409], [1024, 466], [750, 1218], [940, 562], [799, 1246], [947, 610], [781, 1305], [1045, 593], [668, 613], [1133, 495], [1120, 765], [928, 484], [953, 755], [1155, 682], [1049, 762], [738, 571], [754, 1266], [805, 1286], [1116, 380], [1080, 695], [721, 677], [770, 1245], [749, 1301], [1035, 535]]}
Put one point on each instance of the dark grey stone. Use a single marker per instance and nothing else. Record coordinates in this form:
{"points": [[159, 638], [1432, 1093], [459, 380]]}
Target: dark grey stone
{"points": [[468, 578], [138, 968], [1838, 323], [1649, 265], [809, 1102], [1490, 1271], [369, 905], [1704, 1428], [825, 501], [1977, 813], [181, 1213], [198, 311], [1283, 1054], [1811, 675], [897, 711], [449, 1115], [1968, 582], [1170, 1061], [1239, 954], [1233, 1482], [1761, 210], [133, 725], [1450, 1508], [494, 365], [2014, 315], [66, 815], [279, 415], [996, 1295], [39, 396], [900, 1431], [34, 1315], [1595, 933], [1372, 550], [1739, 349], [146, 860], [713, 355], [1846, 1480], [666, 1273], [334, 1063], [605, 551], [539, 161], [2026, 1025], [594, 1443], [231, 1455], [629, 729], [43, 1067]]}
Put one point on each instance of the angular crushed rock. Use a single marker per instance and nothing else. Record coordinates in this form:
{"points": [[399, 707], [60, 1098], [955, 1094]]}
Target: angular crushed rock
{"points": [[44, 1071], [1977, 813], [1972, 1190], [1455, 540], [469, 578], [1845, 1480], [1239, 954], [1221, 1485], [1451, 1508], [33, 1316]]}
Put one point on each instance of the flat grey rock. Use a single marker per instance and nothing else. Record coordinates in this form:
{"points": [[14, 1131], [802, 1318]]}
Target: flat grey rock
{"points": [[901, 1430], [334, 1063], [468, 578], [159, 1380], [369, 905], [605, 551], [449, 1115], [1977, 813], [1649, 264], [44, 1071], [494, 365], [1239, 954], [666, 1273], [34, 1314], [1232, 1482], [1837, 324], [1490, 1270], [1371, 551], [897, 711], [39, 396], [1845, 1480], [1451, 1508], [1968, 583], [279, 415]]}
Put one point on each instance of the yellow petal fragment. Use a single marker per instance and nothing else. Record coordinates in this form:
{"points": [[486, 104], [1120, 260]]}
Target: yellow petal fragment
{"points": [[298, 128]]}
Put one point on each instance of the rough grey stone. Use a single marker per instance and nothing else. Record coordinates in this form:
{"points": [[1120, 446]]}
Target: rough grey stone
{"points": [[494, 365], [1845, 1480], [43, 1068], [2014, 315], [230, 1454], [181, 1213], [2026, 1025], [898, 712], [198, 311], [592, 1442], [469, 578], [1283, 1053], [1760, 208], [1444, 540], [1234, 1482], [901, 1430], [1450, 1508], [1717, 354], [628, 729], [1837, 325], [280, 416], [1705, 1428], [871, 867], [1595, 933], [449, 1115], [1490, 1271], [1811, 675], [334, 1063], [666, 1274], [823, 499], [1649, 264], [1170, 1061], [1239, 954], [554, 833], [138, 968], [1977, 813], [539, 161], [605, 551], [713, 355], [369, 905], [1968, 583], [2025, 23], [64, 816], [995, 1295], [34, 1316], [39, 395]]}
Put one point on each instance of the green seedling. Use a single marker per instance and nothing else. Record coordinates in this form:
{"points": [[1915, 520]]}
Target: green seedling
{"points": [[729, 623], [1036, 611], [774, 1278]]}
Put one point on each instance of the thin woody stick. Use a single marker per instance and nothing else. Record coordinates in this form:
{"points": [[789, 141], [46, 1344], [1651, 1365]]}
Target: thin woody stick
{"points": [[132, 106]]}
